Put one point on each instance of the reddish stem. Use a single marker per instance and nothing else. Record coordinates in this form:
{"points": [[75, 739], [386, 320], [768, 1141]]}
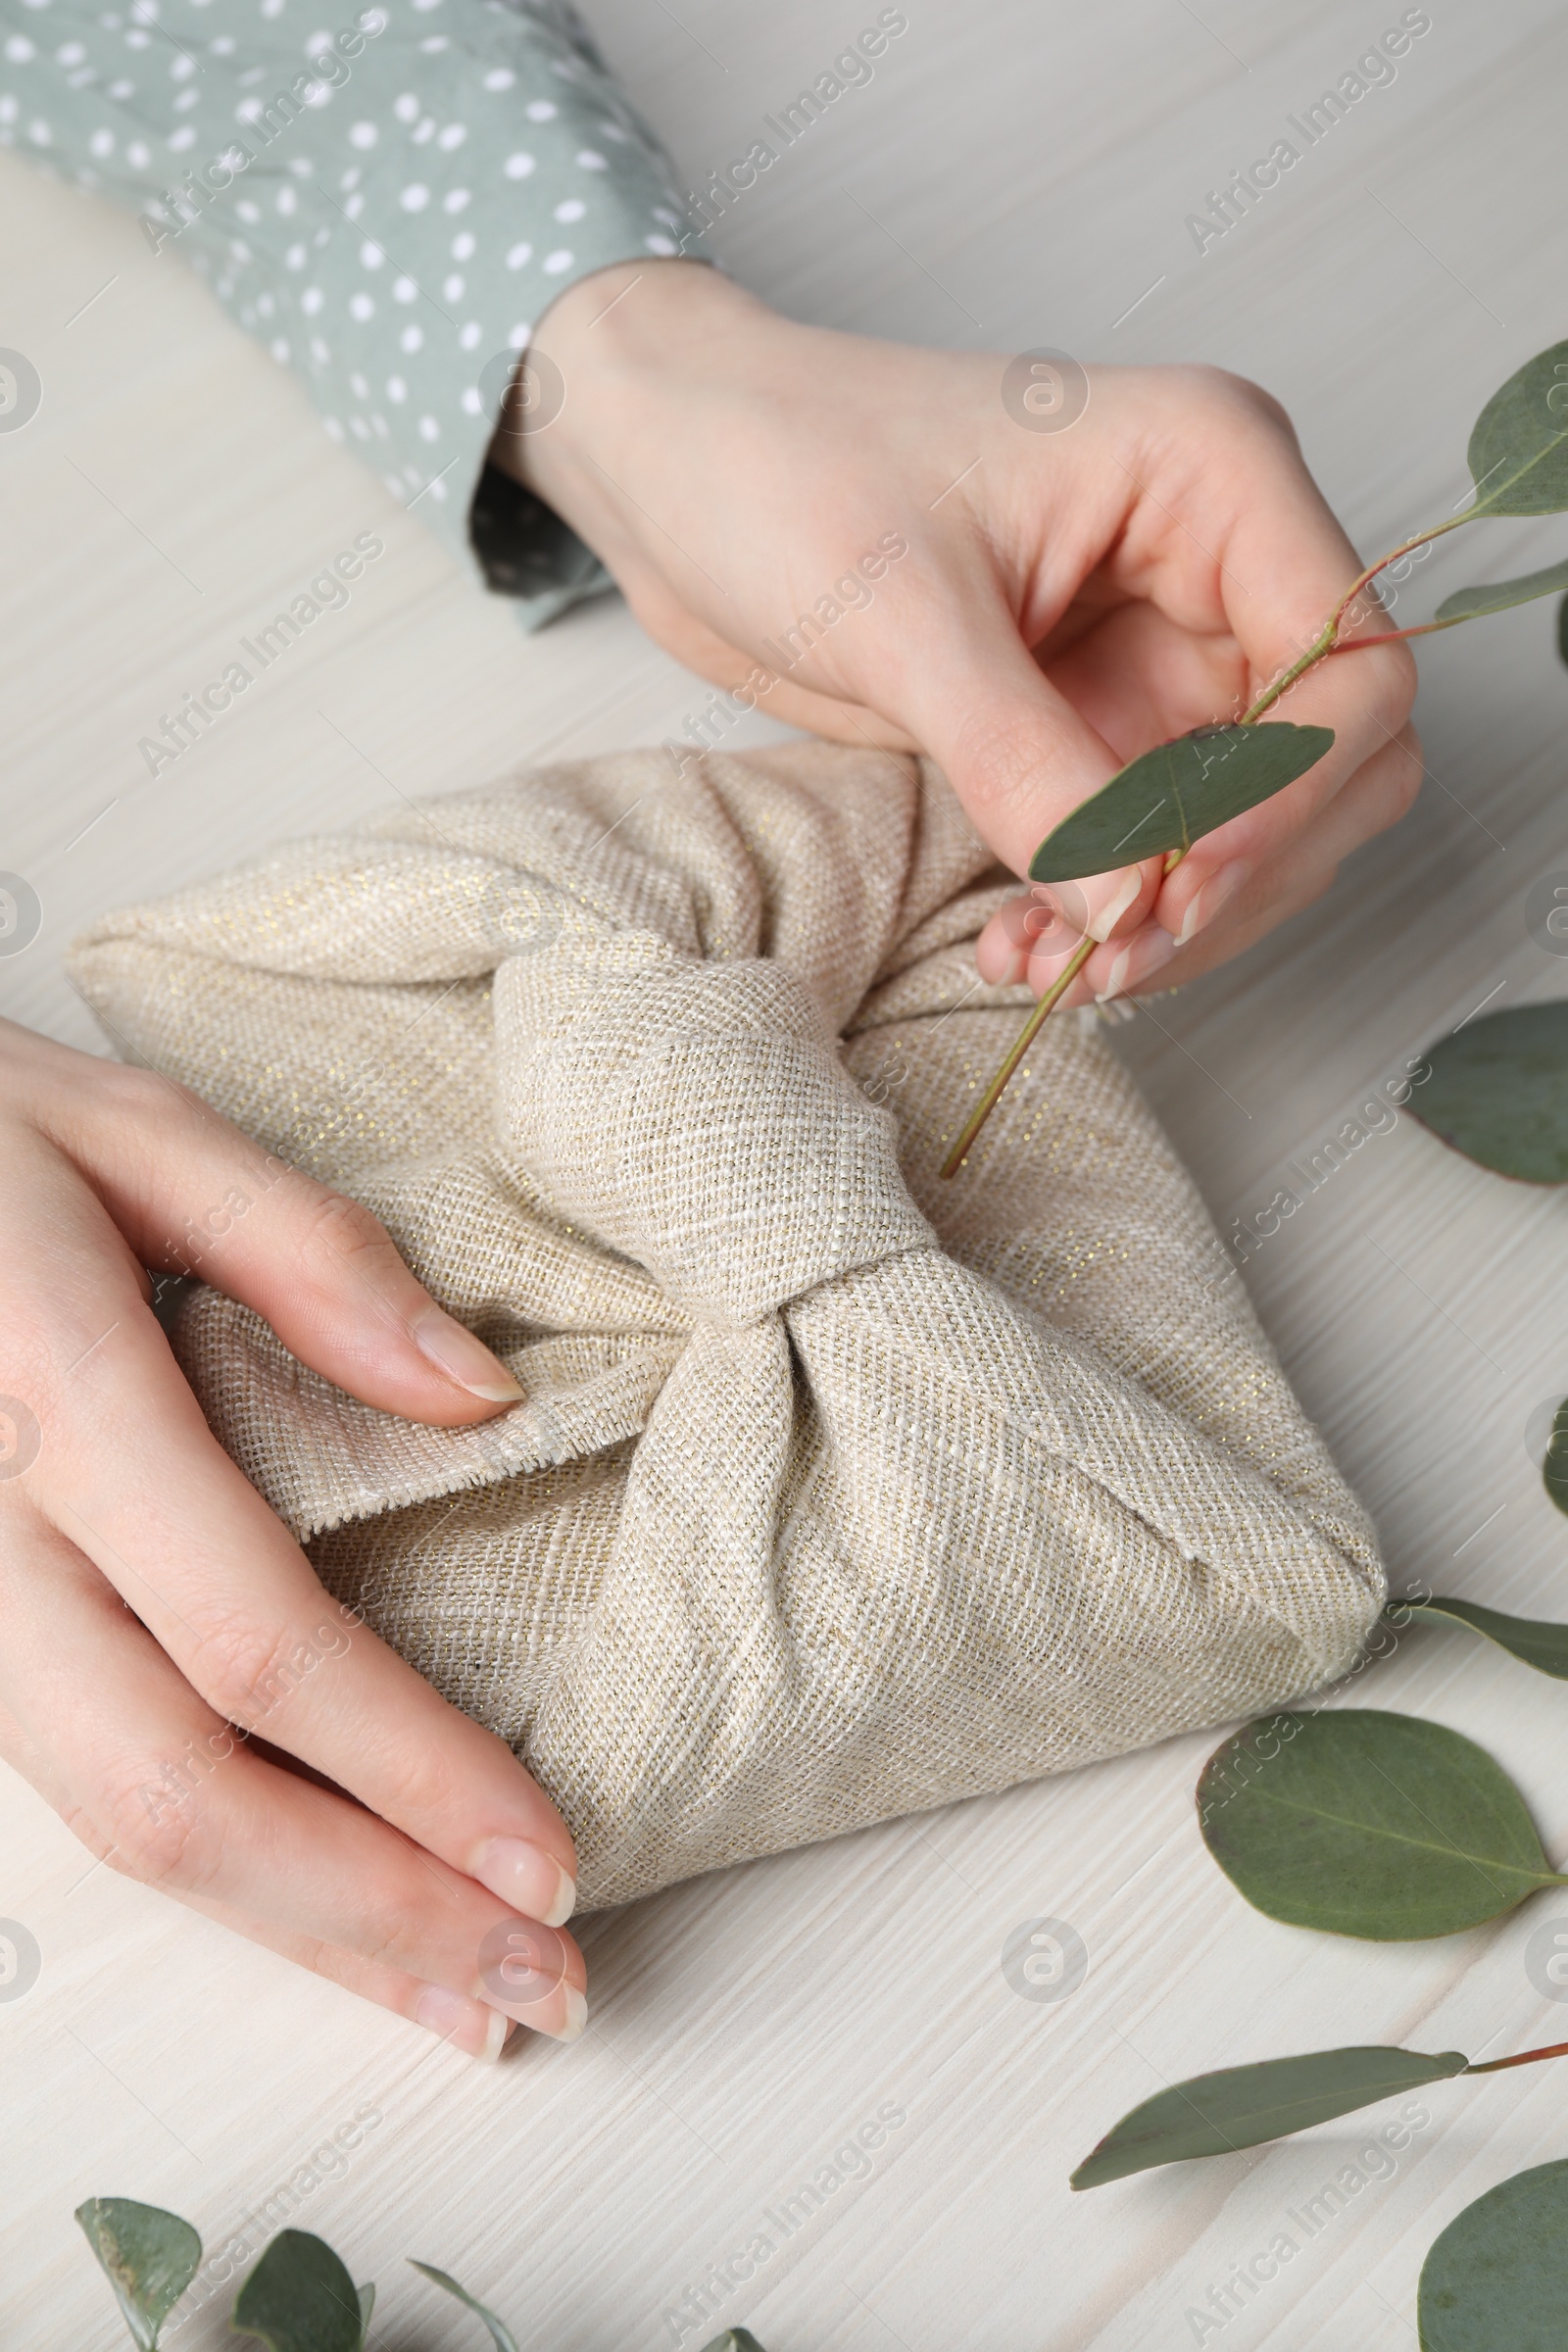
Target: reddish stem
{"points": [[1494, 2066], [1424, 628]]}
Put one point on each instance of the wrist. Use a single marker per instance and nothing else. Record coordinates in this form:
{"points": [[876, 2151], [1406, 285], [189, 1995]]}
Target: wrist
{"points": [[609, 353]]}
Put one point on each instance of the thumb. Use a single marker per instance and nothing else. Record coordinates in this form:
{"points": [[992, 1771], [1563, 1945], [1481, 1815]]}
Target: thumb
{"points": [[1018, 756], [192, 1195]]}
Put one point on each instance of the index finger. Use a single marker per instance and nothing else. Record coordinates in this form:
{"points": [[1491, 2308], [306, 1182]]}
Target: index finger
{"points": [[130, 1471], [1283, 566]]}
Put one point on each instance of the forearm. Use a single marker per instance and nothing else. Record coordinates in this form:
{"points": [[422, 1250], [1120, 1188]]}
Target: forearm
{"points": [[388, 207]]}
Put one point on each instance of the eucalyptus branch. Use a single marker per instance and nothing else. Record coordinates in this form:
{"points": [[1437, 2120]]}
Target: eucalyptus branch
{"points": [[1521, 436]]}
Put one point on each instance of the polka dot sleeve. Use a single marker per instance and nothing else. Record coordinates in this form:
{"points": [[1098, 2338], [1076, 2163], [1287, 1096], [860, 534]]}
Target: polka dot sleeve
{"points": [[387, 195]]}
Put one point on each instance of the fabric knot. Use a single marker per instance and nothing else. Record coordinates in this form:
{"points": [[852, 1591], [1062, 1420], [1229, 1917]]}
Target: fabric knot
{"points": [[697, 1118]]}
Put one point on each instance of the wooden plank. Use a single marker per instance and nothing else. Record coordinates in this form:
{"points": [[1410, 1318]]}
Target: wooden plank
{"points": [[1022, 172]]}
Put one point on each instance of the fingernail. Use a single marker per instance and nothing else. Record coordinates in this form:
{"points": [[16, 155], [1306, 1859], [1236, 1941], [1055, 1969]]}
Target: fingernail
{"points": [[522, 1967], [1143, 955], [1101, 923], [576, 2017], [462, 1359], [467, 2025], [1208, 901], [525, 1875]]}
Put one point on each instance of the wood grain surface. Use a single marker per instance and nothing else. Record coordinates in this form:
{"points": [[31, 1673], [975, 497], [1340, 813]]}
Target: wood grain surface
{"points": [[1018, 174]]}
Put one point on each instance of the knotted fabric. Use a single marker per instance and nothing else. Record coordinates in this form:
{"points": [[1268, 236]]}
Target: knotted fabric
{"points": [[838, 1491]]}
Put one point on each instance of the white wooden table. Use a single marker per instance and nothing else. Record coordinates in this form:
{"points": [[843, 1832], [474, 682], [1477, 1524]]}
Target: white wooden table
{"points": [[1018, 174]]}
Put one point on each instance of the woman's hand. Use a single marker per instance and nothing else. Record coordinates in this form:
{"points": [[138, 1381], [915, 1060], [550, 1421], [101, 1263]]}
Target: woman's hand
{"points": [[1067, 598], [151, 1601]]}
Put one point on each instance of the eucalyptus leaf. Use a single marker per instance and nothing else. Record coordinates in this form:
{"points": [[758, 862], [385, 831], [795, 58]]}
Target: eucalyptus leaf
{"points": [[299, 2298], [1554, 1469], [1496, 2280], [1539, 1643], [1213, 2115], [734, 2339], [1518, 450], [1467, 603], [1168, 798], [1364, 1824], [366, 2300], [148, 2256], [1498, 1093], [1562, 630], [501, 2334]]}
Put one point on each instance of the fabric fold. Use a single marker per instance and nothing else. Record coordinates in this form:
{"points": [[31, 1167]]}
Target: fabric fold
{"points": [[837, 1491]]}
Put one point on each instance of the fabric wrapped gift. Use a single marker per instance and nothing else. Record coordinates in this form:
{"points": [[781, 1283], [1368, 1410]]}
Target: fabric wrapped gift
{"points": [[839, 1491]]}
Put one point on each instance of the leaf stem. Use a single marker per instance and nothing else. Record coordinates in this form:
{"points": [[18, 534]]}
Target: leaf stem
{"points": [[1423, 628], [1025, 1039], [1327, 641], [1493, 2066]]}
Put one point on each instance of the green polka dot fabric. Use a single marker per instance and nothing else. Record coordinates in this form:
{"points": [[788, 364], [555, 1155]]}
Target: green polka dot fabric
{"points": [[387, 196]]}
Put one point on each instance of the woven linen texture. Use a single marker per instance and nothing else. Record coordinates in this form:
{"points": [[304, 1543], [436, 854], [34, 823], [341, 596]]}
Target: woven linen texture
{"points": [[838, 1491]]}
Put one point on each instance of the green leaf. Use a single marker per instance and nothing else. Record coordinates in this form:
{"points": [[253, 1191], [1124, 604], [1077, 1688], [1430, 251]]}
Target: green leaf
{"points": [[1554, 1469], [1498, 1093], [299, 2298], [1213, 2115], [1166, 798], [1496, 2280], [501, 2334], [1519, 449], [1562, 630], [734, 2339], [1539, 1643], [1365, 1823], [366, 2300], [1465, 604], [148, 2256]]}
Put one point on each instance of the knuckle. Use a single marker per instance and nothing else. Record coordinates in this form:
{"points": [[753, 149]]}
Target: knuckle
{"points": [[120, 1103], [84, 1829], [340, 1237], [424, 1781], [391, 1927], [1004, 766], [124, 1090], [243, 1669], [153, 1832], [1239, 396]]}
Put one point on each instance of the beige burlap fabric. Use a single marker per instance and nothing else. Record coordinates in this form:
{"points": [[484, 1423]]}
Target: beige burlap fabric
{"points": [[838, 1491]]}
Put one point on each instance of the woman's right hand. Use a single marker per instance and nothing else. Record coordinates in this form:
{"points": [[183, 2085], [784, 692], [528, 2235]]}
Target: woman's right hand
{"points": [[152, 1601]]}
